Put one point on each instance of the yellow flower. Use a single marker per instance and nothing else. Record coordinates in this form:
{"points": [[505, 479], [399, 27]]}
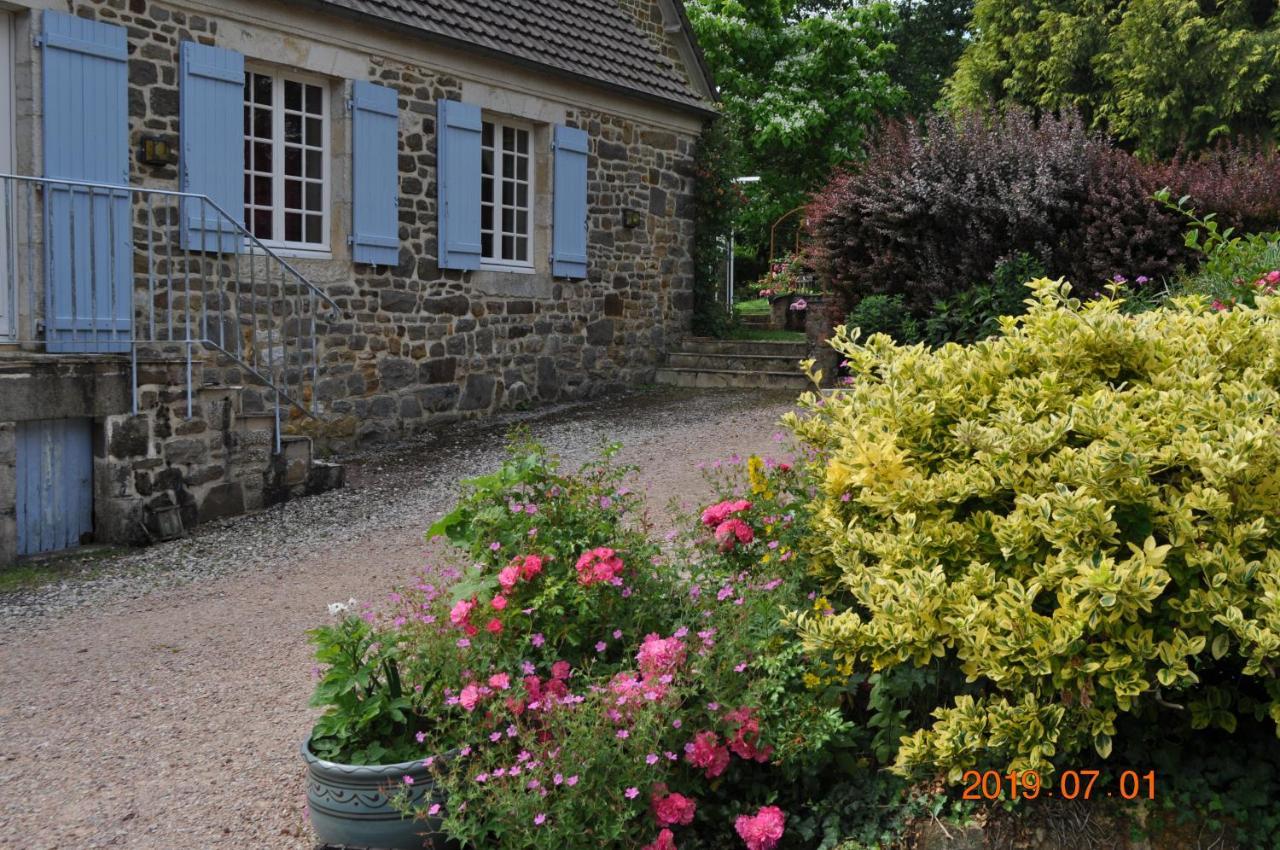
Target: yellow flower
{"points": [[756, 475]]}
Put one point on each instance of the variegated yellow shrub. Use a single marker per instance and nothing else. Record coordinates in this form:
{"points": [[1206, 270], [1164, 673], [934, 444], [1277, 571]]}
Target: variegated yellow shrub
{"points": [[1081, 514]]}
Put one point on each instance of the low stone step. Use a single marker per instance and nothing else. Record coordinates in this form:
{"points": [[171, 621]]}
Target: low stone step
{"points": [[756, 320], [709, 378], [734, 362], [771, 348]]}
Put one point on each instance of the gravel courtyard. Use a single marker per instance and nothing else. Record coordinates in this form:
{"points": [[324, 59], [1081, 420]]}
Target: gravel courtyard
{"points": [[160, 703]]}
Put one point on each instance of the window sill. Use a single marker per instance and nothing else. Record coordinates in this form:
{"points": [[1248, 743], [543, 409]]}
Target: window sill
{"points": [[293, 253], [498, 267]]}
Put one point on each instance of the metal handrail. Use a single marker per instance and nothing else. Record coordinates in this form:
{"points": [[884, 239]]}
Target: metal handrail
{"points": [[203, 199], [258, 311]]}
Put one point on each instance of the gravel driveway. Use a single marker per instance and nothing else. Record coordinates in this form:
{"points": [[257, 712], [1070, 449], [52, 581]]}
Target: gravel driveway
{"points": [[160, 705]]}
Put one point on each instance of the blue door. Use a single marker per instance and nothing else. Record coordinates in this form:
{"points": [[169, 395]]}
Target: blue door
{"points": [[55, 484], [88, 257]]}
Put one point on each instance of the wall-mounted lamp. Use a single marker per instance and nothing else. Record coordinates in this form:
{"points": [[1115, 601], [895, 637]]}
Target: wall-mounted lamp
{"points": [[632, 218], [156, 151]]}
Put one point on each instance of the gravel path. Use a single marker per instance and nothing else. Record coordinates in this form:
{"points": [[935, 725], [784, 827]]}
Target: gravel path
{"points": [[160, 704]]}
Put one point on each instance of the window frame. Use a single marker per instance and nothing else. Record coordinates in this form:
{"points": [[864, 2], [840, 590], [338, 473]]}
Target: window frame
{"points": [[285, 247], [494, 263]]}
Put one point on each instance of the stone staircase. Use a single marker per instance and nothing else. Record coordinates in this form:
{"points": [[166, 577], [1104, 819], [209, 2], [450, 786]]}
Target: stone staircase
{"points": [[747, 364]]}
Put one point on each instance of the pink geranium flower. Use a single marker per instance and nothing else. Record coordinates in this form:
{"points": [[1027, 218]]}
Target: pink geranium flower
{"points": [[658, 655], [763, 830]]}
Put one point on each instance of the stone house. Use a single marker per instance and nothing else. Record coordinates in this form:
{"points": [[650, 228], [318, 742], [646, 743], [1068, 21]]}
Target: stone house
{"points": [[233, 230]]}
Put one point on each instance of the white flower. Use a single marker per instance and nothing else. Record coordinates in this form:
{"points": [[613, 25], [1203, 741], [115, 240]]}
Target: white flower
{"points": [[338, 608]]}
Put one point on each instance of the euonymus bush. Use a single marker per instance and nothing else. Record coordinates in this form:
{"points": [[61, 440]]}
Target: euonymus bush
{"points": [[1080, 515]]}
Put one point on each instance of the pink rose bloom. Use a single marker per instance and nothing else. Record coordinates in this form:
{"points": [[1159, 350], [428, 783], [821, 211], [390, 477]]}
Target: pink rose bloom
{"points": [[494, 626], [705, 752], [499, 602], [658, 655], [560, 670], [500, 681], [1273, 276], [745, 741], [733, 531], [508, 577], [599, 565], [718, 513], [461, 611], [469, 697], [530, 566], [672, 809], [664, 841], [763, 830]]}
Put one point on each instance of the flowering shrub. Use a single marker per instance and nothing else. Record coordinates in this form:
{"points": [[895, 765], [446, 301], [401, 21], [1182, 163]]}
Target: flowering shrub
{"points": [[1075, 519], [785, 276]]}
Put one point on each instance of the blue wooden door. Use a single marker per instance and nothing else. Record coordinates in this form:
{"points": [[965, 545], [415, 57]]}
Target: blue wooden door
{"points": [[88, 253], [55, 484]]}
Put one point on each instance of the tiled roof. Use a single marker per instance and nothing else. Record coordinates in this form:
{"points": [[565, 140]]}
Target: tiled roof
{"points": [[595, 39]]}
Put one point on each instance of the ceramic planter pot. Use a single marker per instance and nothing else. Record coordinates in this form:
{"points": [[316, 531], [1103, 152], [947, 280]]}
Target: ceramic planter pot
{"points": [[350, 808]]}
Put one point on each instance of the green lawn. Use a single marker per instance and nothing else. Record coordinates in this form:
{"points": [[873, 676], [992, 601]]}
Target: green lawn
{"points": [[754, 307], [766, 336]]}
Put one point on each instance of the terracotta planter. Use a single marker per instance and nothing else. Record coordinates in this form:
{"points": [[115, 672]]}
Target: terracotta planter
{"points": [[349, 805]]}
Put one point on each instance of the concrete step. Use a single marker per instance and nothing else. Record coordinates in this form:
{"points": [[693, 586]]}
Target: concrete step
{"points": [[709, 378], [734, 362], [708, 345], [756, 320]]}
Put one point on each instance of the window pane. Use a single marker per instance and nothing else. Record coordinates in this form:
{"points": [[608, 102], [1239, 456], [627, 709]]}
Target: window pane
{"points": [[292, 95], [292, 128], [293, 227], [486, 162], [262, 224], [486, 217], [293, 161], [486, 134], [508, 138], [248, 111], [508, 192], [261, 89], [486, 245], [522, 222], [507, 252], [248, 155], [508, 165], [522, 249], [522, 168], [486, 190], [313, 132], [262, 123], [315, 164], [313, 229], [262, 156], [292, 195], [522, 141], [508, 220], [313, 100], [522, 195], [262, 190], [315, 197]]}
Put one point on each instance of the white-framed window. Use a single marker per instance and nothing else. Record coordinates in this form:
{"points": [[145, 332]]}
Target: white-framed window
{"points": [[506, 195], [8, 222], [286, 159]]}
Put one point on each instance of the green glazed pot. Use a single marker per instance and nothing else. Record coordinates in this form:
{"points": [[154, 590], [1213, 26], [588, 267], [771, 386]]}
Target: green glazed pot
{"points": [[349, 805]]}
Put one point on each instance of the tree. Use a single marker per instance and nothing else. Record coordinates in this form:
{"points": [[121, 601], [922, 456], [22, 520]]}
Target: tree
{"points": [[1155, 74], [929, 37], [802, 82]]}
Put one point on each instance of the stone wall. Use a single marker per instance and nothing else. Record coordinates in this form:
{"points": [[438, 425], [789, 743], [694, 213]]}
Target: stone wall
{"points": [[420, 345]]}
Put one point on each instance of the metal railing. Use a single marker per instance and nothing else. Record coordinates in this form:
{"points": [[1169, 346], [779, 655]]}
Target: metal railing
{"points": [[100, 268]]}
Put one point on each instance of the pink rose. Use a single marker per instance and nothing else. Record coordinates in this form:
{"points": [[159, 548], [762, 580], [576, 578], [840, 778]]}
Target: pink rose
{"points": [[500, 681], [499, 602], [469, 697], [508, 577], [461, 612], [599, 565], [664, 841], [763, 830], [733, 531], [705, 752], [530, 566], [560, 670], [672, 809], [658, 655], [494, 626], [718, 513]]}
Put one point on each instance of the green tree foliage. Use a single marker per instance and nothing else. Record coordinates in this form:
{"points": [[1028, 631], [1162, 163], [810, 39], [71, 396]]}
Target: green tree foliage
{"points": [[1155, 74], [802, 83], [928, 37]]}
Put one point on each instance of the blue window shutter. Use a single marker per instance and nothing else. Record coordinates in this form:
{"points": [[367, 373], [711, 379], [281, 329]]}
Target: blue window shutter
{"points": [[375, 139], [211, 105], [458, 178], [569, 203], [89, 250]]}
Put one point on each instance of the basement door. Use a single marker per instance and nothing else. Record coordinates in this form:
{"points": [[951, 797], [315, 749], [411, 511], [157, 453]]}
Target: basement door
{"points": [[55, 484]]}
